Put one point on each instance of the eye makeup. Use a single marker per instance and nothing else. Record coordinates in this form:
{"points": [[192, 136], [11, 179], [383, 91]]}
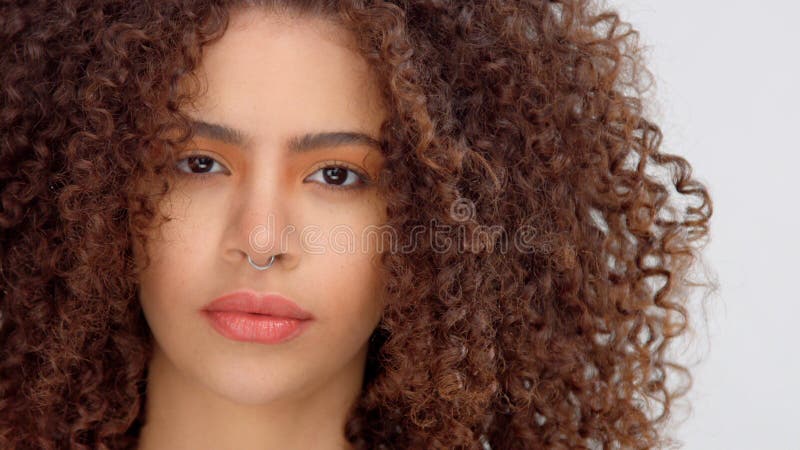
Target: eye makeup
{"points": [[188, 162]]}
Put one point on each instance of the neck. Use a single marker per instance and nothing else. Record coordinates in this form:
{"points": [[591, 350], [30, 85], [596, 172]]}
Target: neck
{"points": [[182, 413]]}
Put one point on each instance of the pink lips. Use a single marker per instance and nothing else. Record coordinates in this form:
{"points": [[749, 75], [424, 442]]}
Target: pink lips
{"points": [[248, 301], [245, 315]]}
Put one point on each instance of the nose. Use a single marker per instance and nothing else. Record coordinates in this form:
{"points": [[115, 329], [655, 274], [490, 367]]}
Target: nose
{"points": [[260, 225]]}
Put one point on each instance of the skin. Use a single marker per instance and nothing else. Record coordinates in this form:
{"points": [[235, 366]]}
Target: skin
{"points": [[273, 78]]}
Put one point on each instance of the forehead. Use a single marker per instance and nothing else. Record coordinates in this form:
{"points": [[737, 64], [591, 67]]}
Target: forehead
{"points": [[273, 75], [283, 21], [292, 49]]}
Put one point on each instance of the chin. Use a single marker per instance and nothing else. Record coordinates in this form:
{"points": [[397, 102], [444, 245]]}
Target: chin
{"points": [[252, 386]]}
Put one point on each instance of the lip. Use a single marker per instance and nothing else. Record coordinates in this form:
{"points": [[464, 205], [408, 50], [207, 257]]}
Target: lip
{"points": [[245, 315], [249, 301]]}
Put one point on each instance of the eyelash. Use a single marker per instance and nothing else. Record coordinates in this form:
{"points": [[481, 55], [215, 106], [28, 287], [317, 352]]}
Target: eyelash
{"points": [[363, 183]]}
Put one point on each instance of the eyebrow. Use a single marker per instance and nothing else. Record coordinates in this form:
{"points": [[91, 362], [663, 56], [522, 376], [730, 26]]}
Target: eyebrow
{"points": [[296, 144]]}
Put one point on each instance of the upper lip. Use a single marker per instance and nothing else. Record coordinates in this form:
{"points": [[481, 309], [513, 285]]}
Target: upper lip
{"points": [[247, 300]]}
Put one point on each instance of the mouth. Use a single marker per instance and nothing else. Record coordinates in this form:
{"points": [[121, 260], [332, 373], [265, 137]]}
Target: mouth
{"points": [[254, 314], [254, 327], [246, 301]]}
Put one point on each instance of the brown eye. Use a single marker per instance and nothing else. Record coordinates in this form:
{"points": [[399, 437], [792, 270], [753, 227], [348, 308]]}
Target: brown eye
{"points": [[339, 177], [198, 165], [335, 175]]}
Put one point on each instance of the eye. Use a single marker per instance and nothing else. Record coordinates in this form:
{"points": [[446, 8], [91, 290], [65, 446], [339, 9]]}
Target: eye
{"points": [[198, 165], [339, 176]]}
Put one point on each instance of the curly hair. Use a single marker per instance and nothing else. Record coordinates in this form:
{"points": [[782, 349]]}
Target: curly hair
{"points": [[524, 116]]}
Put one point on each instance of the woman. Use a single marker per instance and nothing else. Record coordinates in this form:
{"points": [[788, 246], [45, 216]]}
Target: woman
{"points": [[320, 224]]}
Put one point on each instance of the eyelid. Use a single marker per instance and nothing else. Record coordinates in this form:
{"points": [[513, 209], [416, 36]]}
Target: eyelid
{"points": [[365, 182], [337, 163], [198, 152]]}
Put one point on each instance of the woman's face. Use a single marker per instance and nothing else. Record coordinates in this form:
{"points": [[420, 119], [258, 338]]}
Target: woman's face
{"points": [[275, 81]]}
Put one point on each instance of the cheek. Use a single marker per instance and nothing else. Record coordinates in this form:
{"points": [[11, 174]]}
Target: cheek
{"points": [[167, 293], [348, 286], [174, 250], [353, 279]]}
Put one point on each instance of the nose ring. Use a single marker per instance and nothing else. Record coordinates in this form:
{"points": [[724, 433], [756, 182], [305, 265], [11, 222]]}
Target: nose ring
{"points": [[256, 266]]}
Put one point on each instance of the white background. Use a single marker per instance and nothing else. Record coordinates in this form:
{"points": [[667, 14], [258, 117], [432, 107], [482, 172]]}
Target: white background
{"points": [[726, 97]]}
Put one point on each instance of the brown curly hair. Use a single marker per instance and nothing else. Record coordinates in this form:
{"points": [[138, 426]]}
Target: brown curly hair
{"points": [[527, 115]]}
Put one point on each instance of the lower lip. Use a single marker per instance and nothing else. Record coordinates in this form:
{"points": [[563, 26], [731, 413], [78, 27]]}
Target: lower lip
{"points": [[246, 327]]}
